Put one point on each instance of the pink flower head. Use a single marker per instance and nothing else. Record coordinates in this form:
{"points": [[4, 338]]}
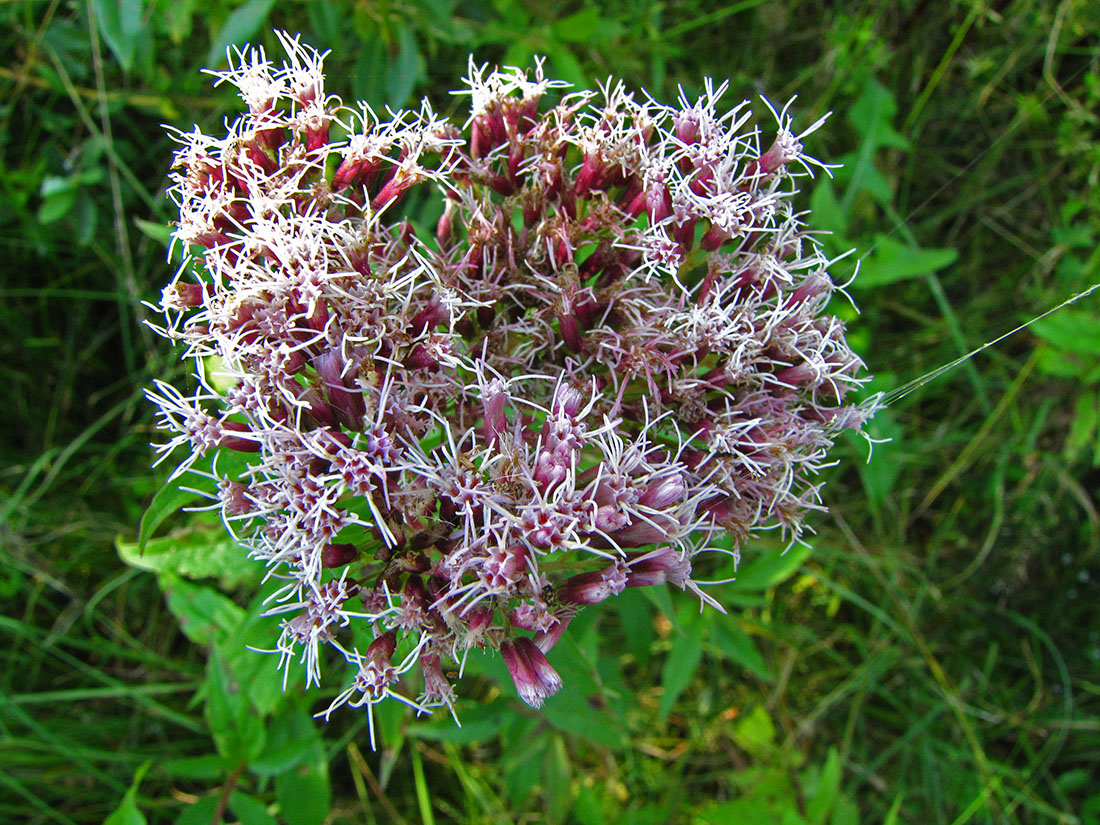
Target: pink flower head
{"points": [[614, 345]]}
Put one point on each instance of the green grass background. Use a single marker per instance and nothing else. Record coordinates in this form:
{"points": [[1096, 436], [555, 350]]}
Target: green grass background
{"points": [[934, 659]]}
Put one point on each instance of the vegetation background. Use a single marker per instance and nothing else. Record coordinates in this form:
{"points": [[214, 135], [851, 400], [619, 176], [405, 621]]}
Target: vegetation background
{"points": [[934, 659]]}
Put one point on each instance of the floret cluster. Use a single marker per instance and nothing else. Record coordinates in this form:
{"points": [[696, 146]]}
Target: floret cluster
{"points": [[610, 355]]}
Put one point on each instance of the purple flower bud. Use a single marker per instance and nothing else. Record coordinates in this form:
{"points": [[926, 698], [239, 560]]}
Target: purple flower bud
{"points": [[659, 566], [534, 678], [546, 639], [664, 493], [337, 555]]}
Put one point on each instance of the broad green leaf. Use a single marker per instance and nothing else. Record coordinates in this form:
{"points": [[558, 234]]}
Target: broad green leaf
{"points": [[521, 764], [120, 23], [249, 810], [277, 759], [197, 552], [1073, 330], [636, 616], [205, 616], [891, 262], [238, 732], [826, 209], [768, 569], [478, 725], [873, 115], [303, 793], [739, 647], [238, 29], [569, 711], [210, 766], [755, 733], [200, 813], [585, 26], [678, 670], [128, 813]]}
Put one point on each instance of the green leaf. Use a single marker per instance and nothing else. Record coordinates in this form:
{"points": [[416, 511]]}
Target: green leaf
{"points": [[238, 29], [128, 813], [739, 648], [119, 23], [570, 711], [478, 725], [405, 70], [636, 617], [277, 759], [1082, 430], [768, 569], [556, 777], [205, 616], [1073, 330], [249, 810], [677, 671], [197, 552], [890, 262], [303, 793], [828, 214], [873, 113], [56, 206], [200, 813], [238, 732], [584, 26], [821, 798], [210, 766], [159, 232], [755, 733]]}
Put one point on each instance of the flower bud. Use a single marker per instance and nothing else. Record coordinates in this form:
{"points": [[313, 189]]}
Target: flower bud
{"points": [[534, 678]]}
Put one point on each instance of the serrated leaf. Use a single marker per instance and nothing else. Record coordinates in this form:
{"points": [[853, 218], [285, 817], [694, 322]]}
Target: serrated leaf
{"points": [[119, 24], [196, 552], [891, 262], [238, 29]]}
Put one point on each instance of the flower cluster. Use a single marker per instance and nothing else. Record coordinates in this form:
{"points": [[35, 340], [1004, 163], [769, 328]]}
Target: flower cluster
{"points": [[612, 351]]}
